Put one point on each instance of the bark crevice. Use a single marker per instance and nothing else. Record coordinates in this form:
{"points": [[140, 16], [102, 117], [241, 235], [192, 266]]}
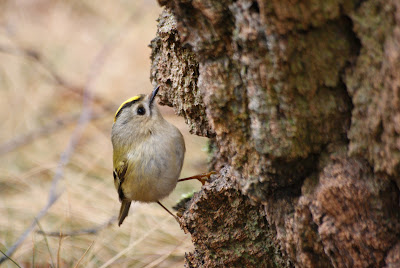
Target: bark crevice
{"points": [[302, 110]]}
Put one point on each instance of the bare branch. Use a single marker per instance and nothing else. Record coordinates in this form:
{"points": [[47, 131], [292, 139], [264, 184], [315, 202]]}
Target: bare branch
{"points": [[59, 251], [55, 193], [86, 231], [47, 244], [44, 131], [64, 159], [38, 58], [7, 257]]}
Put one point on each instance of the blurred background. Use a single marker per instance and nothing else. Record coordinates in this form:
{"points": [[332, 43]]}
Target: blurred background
{"points": [[51, 53]]}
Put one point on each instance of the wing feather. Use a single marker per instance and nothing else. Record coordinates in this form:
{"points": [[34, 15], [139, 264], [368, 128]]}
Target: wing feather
{"points": [[119, 178]]}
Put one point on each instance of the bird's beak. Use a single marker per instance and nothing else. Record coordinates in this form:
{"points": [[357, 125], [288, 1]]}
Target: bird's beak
{"points": [[154, 94]]}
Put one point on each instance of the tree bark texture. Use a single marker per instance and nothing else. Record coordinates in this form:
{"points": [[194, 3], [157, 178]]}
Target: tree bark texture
{"points": [[301, 101]]}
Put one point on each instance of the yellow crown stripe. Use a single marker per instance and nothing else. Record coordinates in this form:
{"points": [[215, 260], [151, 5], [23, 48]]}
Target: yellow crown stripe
{"points": [[135, 98]]}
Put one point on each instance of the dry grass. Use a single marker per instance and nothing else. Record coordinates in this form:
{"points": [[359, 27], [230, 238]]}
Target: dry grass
{"points": [[69, 35]]}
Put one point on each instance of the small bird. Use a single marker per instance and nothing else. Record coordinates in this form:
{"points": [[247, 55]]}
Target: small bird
{"points": [[148, 153]]}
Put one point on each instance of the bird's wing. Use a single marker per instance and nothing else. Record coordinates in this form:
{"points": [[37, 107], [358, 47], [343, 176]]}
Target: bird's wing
{"points": [[119, 177], [123, 212]]}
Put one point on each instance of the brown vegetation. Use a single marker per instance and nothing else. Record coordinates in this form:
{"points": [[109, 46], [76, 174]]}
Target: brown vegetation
{"points": [[51, 53]]}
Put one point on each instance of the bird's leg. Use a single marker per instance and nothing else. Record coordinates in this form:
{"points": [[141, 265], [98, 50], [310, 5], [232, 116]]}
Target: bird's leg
{"points": [[203, 177], [175, 217]]}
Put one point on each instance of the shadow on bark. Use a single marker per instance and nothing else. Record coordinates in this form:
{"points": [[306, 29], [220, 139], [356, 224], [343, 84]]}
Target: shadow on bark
{"points": [[301, 102]]}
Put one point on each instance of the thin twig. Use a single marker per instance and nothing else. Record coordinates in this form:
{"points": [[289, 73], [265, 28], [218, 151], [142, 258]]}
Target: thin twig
{"points": [[59, 251], [64, 159], [84, 119], [47, 244], [44, 131], [35, 56], [7, 257], [33, 251], [38, 58], [59, 123], [84, 254], [159, 260], [93, 230], [129, 248]]}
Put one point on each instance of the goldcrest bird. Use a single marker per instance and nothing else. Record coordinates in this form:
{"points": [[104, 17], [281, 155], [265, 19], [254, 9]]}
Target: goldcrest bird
{"points": [[148, 153]]}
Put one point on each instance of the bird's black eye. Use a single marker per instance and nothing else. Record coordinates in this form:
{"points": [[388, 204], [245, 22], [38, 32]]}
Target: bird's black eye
{"points": [[141, 111]]}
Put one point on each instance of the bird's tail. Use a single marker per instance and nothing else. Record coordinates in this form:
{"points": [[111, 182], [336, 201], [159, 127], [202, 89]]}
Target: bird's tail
{"points": [[123, 212]]}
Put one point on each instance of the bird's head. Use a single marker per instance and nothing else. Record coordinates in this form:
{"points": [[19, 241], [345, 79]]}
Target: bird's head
{"points": [[138, 110]]}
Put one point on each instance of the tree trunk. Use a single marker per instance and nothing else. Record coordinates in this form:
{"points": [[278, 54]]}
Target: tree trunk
{"points": [[301, 101]]}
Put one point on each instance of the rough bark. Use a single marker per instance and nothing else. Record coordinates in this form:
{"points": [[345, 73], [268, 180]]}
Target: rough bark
{"points": [[301, 101]]}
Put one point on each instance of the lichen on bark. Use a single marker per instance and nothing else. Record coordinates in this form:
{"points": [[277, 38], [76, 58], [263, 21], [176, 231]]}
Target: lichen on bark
{"points": [[176, 70], [303, 112], [374, 84], [239, 234]]}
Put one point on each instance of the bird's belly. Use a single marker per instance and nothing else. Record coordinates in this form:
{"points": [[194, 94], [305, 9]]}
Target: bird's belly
{"points": [[154, 169], [152, 178], [150, 189]]}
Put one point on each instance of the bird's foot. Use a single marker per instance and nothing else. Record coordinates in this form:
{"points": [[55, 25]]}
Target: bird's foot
{"points": [[203, 177]]}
